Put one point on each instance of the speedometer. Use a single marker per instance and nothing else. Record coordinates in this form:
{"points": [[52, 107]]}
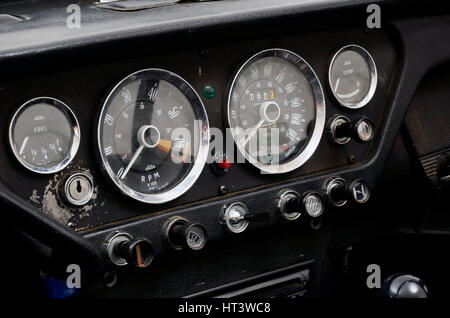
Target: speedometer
{"points": [[153, 136], [276, 110]]}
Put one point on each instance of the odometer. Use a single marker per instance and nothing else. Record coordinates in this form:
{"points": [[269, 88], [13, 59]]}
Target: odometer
{"points": [[276, 110], [153, 136]]}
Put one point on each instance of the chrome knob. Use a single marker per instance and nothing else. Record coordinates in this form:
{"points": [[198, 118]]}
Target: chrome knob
{"points": [[404, 286], [233, 216]]}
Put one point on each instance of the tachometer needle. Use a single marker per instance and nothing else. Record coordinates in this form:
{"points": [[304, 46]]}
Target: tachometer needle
{"points": [[130, 164]]}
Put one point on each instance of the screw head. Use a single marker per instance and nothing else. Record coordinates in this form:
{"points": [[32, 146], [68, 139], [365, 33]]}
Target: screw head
{"points": [[351, 159], [223, 189]]}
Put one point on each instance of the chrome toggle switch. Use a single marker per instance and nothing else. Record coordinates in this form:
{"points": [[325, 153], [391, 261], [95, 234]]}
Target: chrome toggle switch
{"points": [[233, 216]]}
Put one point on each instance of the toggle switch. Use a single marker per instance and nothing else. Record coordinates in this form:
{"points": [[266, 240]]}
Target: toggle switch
{"points": [[236, 217], [233, 216]]}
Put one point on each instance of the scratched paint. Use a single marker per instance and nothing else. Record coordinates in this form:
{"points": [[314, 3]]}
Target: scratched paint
{"points": [[48, 200]]}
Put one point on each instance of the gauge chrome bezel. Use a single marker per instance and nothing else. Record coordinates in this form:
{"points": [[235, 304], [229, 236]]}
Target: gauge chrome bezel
{"points": [[76, 134], [373, 75], [202, 154], [319, 98]]}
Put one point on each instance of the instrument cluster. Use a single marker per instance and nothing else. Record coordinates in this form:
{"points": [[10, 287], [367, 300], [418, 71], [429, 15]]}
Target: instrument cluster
{"points": [[153, 133]]}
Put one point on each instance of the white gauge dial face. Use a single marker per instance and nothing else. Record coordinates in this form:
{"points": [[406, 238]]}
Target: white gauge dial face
{"points": [[352, 76]]}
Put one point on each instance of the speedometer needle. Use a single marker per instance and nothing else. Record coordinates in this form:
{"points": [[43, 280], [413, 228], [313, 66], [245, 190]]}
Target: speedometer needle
{"points": [[259, 124], [133, 159]]}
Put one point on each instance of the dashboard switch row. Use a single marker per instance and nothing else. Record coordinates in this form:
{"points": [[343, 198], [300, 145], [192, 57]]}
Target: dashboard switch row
{"points": [[123, 249], [236, 216]]}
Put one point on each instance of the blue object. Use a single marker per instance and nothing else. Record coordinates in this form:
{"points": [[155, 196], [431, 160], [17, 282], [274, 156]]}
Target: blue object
{"points": [[57, 288]]}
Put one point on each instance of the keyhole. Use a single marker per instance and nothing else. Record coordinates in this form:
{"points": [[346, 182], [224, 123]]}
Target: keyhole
{"points": [[79, 186]]}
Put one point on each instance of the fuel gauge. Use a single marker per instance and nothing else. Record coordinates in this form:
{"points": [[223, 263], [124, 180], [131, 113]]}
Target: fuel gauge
{"points": [[44, 135]]}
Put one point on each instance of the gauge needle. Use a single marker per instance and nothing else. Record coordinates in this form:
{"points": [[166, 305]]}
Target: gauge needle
{"points": [[254, 131], [355, 92], [23, 145], [130, 164], [337, 84]]}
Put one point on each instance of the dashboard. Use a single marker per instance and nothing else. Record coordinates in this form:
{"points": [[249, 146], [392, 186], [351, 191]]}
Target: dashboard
{"points": [[99, 101], [221, 136]]}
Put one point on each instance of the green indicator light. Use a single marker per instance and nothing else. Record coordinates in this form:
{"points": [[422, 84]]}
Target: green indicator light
{"points": [[209, 91]]}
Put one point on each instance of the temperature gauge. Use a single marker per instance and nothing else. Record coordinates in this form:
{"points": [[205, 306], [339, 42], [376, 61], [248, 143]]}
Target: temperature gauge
{"points": [[44, 135], [352, 76]]}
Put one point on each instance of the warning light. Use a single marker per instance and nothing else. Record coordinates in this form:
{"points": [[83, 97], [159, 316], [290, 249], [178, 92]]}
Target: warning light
{"points": [[224, 164], [209, 91]]}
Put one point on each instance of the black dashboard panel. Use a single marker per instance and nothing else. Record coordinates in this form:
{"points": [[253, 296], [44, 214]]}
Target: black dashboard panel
{"points": [[84, 88]]}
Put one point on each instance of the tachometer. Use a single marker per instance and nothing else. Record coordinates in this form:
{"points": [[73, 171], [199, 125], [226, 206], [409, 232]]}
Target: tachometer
{"points": [[153, 136], [276, 110]]}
